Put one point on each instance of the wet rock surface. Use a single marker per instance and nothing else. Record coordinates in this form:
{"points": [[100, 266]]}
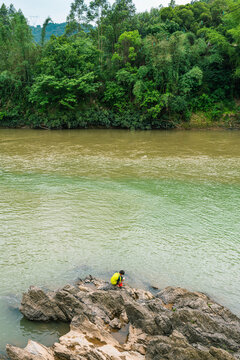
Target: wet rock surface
{"points": [[175, 324]]}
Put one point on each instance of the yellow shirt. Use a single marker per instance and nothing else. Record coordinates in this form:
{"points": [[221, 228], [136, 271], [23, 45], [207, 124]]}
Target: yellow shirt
{"points": [[115, 278]]}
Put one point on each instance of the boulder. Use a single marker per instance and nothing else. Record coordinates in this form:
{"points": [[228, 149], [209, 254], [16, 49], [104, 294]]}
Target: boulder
{"points": [[88, 338], [153, 322], [40, 306], [177, 347], [33, 351], [203, 328], [176, 324]]}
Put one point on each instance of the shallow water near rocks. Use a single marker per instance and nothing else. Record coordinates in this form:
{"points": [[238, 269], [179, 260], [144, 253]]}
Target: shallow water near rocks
{"points": [[164, 206], [121, 335]]}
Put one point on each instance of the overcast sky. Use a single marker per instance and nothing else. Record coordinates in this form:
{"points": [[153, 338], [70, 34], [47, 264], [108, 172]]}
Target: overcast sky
{"points": [[38, 11]]}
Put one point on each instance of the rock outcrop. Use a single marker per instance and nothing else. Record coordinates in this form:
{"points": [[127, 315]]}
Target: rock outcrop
{"points": [[130, 324]]}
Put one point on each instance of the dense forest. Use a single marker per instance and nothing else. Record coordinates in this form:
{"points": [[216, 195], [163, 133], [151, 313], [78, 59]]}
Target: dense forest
{"points": [[171, 67]]}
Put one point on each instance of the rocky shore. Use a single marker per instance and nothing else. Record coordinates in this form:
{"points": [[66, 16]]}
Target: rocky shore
{"points": [[130, 324]]}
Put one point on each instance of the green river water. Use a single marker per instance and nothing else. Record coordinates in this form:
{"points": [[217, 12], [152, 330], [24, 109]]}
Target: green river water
{"points": [[163, 205]]}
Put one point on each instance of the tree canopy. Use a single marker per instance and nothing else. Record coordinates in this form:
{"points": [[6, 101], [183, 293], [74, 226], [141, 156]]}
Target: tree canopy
{"points": [[113, 67]]}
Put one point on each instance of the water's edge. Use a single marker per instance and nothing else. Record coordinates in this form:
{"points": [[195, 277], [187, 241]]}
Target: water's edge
{"points": [[129, 321], [47, 333], [161, 205]]}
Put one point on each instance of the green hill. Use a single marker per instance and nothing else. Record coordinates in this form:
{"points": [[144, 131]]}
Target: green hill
{"points": [[52, 29]]}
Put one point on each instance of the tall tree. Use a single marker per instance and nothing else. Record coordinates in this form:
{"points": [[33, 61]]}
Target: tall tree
{"points": [[43, 33], [78, 17], [119, 19], [96, 12]]}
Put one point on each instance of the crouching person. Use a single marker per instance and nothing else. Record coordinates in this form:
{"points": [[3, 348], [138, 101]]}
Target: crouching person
{"points": [[117, 278]]}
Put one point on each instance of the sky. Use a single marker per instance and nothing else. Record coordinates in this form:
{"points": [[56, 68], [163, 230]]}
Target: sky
{"points": [[37, 11]]}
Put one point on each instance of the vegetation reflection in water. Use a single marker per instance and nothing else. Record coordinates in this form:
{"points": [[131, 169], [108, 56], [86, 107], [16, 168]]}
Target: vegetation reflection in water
{"points": [[161, 205]]}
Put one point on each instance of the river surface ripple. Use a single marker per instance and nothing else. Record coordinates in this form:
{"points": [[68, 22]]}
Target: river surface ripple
{"points": [[163, 205]]}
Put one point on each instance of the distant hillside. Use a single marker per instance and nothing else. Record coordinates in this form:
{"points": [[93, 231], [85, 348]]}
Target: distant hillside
{"points": [[52, 29]]}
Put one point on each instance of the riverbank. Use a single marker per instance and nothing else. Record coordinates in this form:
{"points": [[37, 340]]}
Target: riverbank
{"points": [[109, 323], [107, 119], [201, 120]]}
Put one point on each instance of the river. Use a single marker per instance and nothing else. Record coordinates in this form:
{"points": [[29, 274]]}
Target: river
{"points": [[162, 205]]}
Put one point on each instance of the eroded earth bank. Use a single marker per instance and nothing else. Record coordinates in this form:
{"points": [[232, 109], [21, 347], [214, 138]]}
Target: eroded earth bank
{"points": [[130, 324]]}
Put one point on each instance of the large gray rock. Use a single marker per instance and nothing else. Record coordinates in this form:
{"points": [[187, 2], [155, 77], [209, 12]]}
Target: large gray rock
{"points": [[202, 320], [177, 347], [176, 324], [152, 323], [40, 306], [203, 328], [70, 301]]}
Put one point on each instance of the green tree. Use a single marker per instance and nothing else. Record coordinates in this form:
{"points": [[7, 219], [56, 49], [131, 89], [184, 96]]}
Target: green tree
{"points": [[128, 45], [232, 20], [17, 60], [66, 74], [97, 12], [43, 33], [119, 18], [78, 19]]}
